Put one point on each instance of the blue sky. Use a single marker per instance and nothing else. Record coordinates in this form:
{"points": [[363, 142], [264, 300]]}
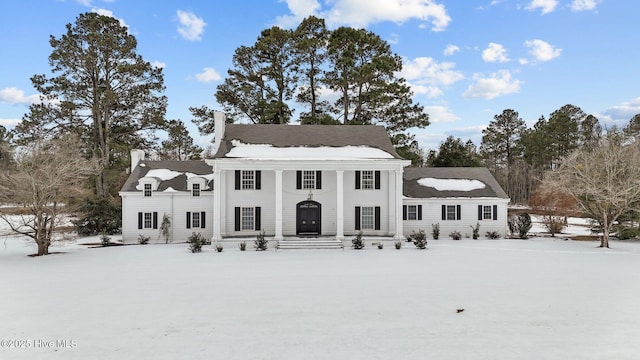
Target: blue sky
{"points": [[465, 60]]}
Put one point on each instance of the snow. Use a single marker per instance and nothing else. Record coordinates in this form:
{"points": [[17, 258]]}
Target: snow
{"points": [[269, 152], [163, 174], [170, 189], [541, 298], [452, 184]]}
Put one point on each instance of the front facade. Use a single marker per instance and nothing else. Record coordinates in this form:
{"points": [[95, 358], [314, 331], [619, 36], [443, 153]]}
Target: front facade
{"points": [[292, 181]]}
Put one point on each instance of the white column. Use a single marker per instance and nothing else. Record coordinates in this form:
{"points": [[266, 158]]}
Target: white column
{"points": [[391, 220], [217, 209], [399, 235], [278, 235], [340, 205]]}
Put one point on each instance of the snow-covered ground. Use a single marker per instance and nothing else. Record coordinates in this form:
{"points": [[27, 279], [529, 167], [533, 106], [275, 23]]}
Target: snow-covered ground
{"points": [[541, 298]]}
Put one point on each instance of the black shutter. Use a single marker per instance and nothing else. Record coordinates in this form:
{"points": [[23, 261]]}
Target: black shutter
{"points": [[257, 218], [444, 212], [140, 220], [479, 212], [376, 224], [237, 219], [458, 212], [258, 179], [237, 179], [202, 220], [318, 180], [377, 180], [155, 220], [299, 179], [357, 217], [404, 212], [188, 220], [495, 212], [419, 212], [357, 182]]}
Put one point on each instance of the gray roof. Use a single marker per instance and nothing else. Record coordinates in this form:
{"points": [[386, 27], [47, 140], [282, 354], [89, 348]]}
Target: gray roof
{"points": [[198, 167], [412, 189], [307, 135]]}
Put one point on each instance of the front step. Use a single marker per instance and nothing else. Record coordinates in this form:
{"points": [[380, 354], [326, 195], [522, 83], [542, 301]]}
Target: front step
{"points": [[309, 244]]}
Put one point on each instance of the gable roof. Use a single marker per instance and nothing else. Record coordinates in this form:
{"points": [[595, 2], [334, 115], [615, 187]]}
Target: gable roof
{"points": [[305, 136], [412, 188], [179, 183]]}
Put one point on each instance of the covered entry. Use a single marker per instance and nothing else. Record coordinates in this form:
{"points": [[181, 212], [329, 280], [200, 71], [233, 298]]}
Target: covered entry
{"points": [[308, 218]]}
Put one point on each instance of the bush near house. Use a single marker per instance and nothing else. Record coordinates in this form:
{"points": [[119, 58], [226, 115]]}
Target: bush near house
{"points": [[196, 240], [260, 243], [358, 241], [455, 235], [419, 239]]}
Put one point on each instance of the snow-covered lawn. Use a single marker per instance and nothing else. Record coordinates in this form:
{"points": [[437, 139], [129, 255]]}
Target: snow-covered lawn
{"points": [[522, 299]]}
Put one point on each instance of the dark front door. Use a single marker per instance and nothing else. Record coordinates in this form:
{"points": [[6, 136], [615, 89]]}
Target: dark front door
{"points": [[308, 218]]}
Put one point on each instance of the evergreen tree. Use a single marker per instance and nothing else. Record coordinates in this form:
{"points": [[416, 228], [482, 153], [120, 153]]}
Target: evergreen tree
{"points": [[102, 90], [453, 153], [179, 145]]}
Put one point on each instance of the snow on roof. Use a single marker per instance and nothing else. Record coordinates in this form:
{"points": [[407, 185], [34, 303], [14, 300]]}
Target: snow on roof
{"points": [[163, 174], [269, 152], [170, 189], [452, 184], [204, 176]]}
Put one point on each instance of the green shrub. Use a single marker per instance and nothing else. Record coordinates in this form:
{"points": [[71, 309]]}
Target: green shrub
{"points": [[105, 240], [358, 241], [143, 240], [260, 243], [398, 245], [435, 231], [419, 239], [243, 245], [523, 225], [492, 235], [98, 216], [195, 242], [455, 235], [476, 231], [628, 233], [219, 247]]}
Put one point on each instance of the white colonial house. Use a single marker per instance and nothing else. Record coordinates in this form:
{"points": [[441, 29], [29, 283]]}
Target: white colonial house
{"points": [[305, 181]]}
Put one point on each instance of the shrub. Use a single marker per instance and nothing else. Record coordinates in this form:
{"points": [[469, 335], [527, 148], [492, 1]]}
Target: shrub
{"points": [[419, 239], [435, 231], [380, 245], [628, 233], [512, 222], [165, 228], [219, 247], [143, 240], [554, 224], [98, 216], [492, 235], [398, 245], [476, 231], [523, 225], [243, 245], [195, 242], [358, 241], [105, 240], [260, 243], [455, 235]]}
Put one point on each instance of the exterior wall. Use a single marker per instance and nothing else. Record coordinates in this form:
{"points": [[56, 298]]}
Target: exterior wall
{"points": [[366, 197], [174, 204], [432, 214]]}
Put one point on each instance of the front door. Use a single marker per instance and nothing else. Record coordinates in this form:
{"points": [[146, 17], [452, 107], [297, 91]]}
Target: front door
{"points": [[308, 218]]}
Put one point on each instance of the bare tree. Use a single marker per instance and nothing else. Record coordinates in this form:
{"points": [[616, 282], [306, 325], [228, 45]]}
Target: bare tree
{"points": [[45, 176], [604, 180]]}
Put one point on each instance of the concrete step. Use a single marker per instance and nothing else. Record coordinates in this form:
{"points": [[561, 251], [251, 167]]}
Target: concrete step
{"points": [[310, 244]]}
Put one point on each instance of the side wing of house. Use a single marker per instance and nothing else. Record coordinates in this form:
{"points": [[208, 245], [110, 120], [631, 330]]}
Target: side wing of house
{"points": [[457, 199]]}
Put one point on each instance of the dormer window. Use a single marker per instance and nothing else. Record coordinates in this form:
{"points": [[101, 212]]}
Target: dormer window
{"points": [[147, 189], [195, 190]]}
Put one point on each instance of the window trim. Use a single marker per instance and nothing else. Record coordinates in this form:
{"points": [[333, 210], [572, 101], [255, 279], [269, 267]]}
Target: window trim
{"points": [[412, 212], [367, 180], [247, 180], [309, 179], [370, 217], [195, 190], [487, 212]]}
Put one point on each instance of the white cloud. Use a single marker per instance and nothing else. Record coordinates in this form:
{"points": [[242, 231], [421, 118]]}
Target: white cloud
{"points": [[583, 5], [109, 13], [440, 114], [360, 13], [84, 2], [208, 75], [541, 50], [13, 96], [622, 113], [495, 53], [159, 64], [450, 50], [9, 123], [546, 6], [424, 75], [523, 61], [497, 84], [191, 27]]}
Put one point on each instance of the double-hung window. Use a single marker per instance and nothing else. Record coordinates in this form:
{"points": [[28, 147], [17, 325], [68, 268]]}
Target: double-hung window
{"points": [[196, 220], [367, 179], [487, 212], [195, 190], [247, 218], [366, 222], [148, 220], [248, 180], [451, 212], [147, 190], [308, 180]]}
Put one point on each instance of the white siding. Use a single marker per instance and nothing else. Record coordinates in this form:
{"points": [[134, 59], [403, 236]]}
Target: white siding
{"points": [[366, 197]]}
